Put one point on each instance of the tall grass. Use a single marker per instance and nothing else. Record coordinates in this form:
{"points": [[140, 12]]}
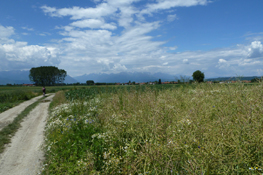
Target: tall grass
{"points": [[200, 129]]}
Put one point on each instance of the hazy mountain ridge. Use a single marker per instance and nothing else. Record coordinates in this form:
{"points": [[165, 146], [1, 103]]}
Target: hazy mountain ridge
{"points": [[232, 78], [20, 77], [123, 77]]}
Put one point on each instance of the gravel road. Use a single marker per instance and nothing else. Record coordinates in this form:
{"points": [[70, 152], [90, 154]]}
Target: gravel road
{"points": [[9, 115], [23, 156]]}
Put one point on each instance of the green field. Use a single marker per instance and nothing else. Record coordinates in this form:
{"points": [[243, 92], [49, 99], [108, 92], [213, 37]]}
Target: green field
{"points": [[188, 129]]}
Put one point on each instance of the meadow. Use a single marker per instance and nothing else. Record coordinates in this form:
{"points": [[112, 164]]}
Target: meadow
{"points": [[188, 129]]}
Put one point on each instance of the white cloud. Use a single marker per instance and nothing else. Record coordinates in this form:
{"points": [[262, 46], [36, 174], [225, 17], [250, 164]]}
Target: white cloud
{"points": [[126, 16], [173, 48], [22, 52], [255, 50], [222, 61], [89, 43], [118, 3], [15, 54], [101, 10], [96, 1], [93, 23], [27, 28], [45, 34], [185, 61], [168, 4], [119, 68], [171, 18], [6, 32]]}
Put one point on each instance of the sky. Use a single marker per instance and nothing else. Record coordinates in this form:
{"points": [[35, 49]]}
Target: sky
{"points": [[218, 37]]}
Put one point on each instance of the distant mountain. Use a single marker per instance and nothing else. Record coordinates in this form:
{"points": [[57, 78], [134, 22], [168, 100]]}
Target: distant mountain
{"points": [[21, 77], [146, 77], [232, 78], [125, 77]]}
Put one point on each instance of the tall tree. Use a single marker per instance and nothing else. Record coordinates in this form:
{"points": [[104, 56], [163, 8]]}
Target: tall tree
{"points": [[198, 76], [47, 75], [90, 82]]}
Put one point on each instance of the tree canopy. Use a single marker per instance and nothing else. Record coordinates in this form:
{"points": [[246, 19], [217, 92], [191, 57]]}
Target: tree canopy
{"points": [[47, 75], [198, 76], [90, 82]]}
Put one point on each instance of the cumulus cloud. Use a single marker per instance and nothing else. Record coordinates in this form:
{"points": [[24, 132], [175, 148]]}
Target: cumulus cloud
{"points": [[255, 50], [6, 32], [15, 54], [30, 54]]}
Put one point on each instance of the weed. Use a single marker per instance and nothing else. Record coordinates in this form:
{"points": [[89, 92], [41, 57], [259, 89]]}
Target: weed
{"points": [[197, 129]]}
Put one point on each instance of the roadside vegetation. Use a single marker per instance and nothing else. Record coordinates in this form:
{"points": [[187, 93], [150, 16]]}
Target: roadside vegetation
{"points": [[192, 129], [12, 96], [10, 99], [9, 131]]}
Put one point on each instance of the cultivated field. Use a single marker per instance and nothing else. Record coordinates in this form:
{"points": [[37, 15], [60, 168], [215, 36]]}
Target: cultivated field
{"points": [[190, 129]]}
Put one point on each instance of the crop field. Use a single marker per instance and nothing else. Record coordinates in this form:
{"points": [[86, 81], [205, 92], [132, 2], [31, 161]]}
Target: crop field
{"points": [[191, 129]]}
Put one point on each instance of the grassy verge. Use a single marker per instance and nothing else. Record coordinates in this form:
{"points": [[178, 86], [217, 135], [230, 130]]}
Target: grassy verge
{"points": [[7, 132], [6, 106], [58, 99], [13, 98], [198, 129]]}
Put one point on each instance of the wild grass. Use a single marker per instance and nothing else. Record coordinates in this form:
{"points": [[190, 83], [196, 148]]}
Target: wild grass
{"points": [[199, 129], [58, 99]]}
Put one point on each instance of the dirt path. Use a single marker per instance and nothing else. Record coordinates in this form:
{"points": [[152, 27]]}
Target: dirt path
{"points": [[8, 116], [23, 155]]}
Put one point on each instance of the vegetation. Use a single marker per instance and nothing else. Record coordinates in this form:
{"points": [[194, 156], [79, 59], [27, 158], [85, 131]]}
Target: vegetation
{"points": [[198, 76], [197, 129], [8, 131], [11, 96], [256, 80], [47, 75], [90, 82], [10, 99]]}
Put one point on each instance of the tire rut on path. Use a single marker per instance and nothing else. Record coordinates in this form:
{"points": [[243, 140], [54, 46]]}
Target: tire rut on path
{"points": [[23, 155]]}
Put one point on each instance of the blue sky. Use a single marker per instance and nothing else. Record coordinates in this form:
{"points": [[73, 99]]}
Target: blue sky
{"points": [[218, 37]]}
